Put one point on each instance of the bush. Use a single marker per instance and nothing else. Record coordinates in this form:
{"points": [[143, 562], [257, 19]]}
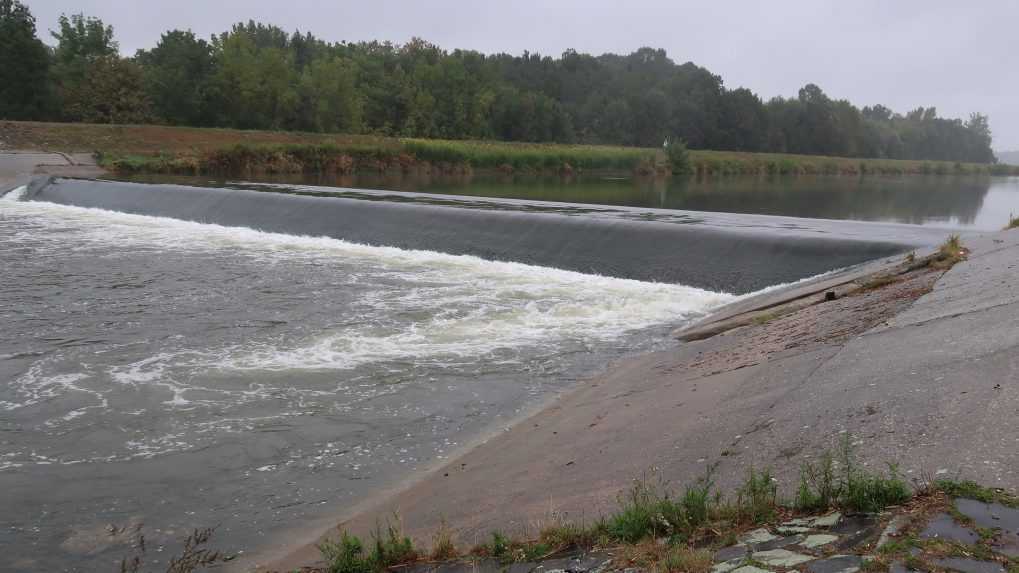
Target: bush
{"points": [[679, 156]]}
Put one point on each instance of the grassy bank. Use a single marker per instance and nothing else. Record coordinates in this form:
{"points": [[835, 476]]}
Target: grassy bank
{"points": [[180, 150], [667, 529]]}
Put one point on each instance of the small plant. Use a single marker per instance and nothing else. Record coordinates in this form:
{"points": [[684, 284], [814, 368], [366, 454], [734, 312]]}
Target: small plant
{"points": [[824, 486], [757, 500], [949, 253], [443, 547], [1013, 222], [347, 555], [350, 555]]}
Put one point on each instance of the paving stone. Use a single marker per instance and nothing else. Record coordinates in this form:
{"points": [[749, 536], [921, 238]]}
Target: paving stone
{"points": [[757, 536], [779, 543], [798, 522], [855, 530], [854, 523], [727, 566], [829, 520], [892, 529], [942, 526], [897, 567], [791, 529], [731, 552], [818, 540], [522, 568], [966, 565], [781, 558], [994, 516], [836, 564], [580, 563], [750, 569]]}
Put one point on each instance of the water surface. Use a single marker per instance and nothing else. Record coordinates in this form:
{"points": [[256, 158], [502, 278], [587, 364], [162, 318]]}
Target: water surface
{"points": [[972, 202]]}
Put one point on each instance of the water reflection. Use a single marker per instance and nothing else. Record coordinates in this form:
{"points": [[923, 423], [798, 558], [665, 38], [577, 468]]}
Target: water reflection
{"points": [[983, 203]]}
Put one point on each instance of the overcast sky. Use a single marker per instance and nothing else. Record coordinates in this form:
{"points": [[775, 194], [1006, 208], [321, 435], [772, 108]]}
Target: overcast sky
{"points": [[960, 57]]}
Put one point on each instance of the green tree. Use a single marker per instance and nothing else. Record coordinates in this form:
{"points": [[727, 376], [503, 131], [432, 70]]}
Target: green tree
{"points": [[254, 88], [81, 41], [177, 73], [24, 64], [112, 91], [328, 95]]}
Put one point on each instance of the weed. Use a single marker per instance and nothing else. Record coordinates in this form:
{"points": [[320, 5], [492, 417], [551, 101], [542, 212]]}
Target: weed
{"points": [[565, 534], [683, 559], [350, 555], [973, 490], [347, 555], [818, 489], [949, 253], [1013, 222], [193, 556], [823, 486], [443, 547], [757, 499]]}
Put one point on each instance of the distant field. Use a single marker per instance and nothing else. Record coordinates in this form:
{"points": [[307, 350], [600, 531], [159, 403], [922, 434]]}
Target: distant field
{"points": [[164, 149]]}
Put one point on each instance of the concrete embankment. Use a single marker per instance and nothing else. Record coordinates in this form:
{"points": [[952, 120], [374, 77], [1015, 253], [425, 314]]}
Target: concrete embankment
{"points": [[922, 372], [18, 167]]}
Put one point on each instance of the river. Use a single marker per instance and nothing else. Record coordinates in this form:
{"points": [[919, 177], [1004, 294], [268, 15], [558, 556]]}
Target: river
{"points": [[254, 356]]}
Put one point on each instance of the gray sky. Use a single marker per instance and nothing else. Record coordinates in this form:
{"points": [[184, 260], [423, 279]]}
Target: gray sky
{"points": [[959, 57]]}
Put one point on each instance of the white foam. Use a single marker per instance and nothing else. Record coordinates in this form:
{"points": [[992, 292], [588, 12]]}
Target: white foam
{"points": [[475, 306], [15, 194]]}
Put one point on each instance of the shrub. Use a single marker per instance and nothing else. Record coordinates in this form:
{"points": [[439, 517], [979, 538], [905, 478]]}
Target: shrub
{"points": [[679, 157]]}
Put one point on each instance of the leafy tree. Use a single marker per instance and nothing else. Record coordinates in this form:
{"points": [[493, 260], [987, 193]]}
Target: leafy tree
{"points": [[258, 76], [24, 64], [177, 74], [112, 91], [328, 97], [81, 38]]}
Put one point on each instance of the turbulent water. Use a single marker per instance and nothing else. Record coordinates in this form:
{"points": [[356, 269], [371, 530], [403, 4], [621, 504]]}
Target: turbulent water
{"points": [[182, 374]]}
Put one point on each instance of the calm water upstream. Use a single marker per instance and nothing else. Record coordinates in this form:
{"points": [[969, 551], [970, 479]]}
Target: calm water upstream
{"points": [[981, 203], [179, 358]]}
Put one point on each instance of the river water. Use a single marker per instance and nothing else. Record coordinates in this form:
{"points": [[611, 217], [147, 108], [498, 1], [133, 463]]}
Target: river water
{"points": [[171, 372]]}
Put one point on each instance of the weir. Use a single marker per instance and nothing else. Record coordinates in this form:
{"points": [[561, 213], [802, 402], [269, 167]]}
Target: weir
{"points": [[719, 252]]}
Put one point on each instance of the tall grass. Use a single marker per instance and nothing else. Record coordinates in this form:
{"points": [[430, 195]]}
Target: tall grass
{"points": [[380, 154]]}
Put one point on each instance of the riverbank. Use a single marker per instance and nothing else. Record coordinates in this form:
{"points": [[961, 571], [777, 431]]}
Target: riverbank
{"points": [[181, 150], [919, 368]]}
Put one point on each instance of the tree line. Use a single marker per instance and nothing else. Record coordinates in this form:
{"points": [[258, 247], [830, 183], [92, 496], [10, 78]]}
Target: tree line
{"points": [[258, 76]]}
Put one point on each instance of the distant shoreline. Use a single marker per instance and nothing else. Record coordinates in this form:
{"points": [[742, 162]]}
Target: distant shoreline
{"points": [[209, 151]]}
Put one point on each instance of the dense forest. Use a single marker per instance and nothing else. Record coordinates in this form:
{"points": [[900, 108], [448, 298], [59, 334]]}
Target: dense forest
{"points": [[258, 76]]}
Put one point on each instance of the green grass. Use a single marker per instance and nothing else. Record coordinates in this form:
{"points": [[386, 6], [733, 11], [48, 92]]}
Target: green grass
{"points": [[843, 483], [350, 555], [1013, 222], [667, 529], [508, 157], [973, 490]]}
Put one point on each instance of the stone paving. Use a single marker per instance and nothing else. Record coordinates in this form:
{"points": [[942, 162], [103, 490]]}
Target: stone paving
{"points": [[967, 536]]}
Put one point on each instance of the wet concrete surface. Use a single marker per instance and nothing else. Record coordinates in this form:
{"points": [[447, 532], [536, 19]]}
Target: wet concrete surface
{"points": [[930, 388]]}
